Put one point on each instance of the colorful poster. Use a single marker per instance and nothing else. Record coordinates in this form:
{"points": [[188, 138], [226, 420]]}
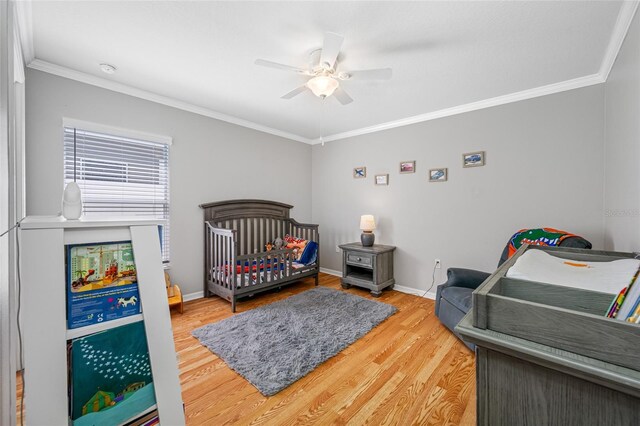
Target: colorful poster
{"points": [[111, 380], [101, 283]]}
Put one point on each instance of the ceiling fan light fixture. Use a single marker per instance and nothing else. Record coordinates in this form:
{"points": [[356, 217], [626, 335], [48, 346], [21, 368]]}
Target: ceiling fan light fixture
{"points": [[322, 86]]}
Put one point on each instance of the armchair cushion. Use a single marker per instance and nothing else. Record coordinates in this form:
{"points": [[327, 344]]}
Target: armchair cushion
{"points": [[460, 297], [467, 279]]}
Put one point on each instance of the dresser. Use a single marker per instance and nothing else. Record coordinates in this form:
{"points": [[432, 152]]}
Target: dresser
{"points": [[368, 267], [547, 354]]}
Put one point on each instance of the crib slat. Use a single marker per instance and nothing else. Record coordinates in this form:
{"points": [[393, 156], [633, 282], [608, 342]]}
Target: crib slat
{"points": [[228, 282], [274, 273], [225, 257], [207, 246], [268, 230], [235, 225], [216, 259], [255, 234], [265, 269], [223, 265], [220, 264], [259, 234], [243, 234], [252, 235], [247, 237], [212, 254]]}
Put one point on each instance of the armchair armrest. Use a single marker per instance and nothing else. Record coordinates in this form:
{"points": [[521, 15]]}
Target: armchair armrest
{"points": [[469, 278], [460, 277]]}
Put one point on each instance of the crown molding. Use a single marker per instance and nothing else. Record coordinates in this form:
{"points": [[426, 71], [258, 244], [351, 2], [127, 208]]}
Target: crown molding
{"points": [[82, 77], [23, 16], [549, 89], [625, 17]]}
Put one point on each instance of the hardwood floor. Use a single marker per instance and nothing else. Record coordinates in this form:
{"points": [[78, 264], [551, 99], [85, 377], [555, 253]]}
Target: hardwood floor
{"points": [[408, 370]]}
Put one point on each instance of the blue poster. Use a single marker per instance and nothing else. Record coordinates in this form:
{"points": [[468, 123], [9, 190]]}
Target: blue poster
{"points": [[101, 283]]}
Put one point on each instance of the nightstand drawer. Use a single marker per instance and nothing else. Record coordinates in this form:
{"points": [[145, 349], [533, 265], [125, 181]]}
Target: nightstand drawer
{"points": [[360, 259]]}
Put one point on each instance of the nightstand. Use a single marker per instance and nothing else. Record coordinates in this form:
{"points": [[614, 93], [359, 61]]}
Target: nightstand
{"points": [[368, 267]]}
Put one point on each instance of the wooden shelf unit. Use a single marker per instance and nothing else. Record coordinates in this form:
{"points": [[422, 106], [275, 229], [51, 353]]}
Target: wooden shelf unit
{"points": [[44, 324]]}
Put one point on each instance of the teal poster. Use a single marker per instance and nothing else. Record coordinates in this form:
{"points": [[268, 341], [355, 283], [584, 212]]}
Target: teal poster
{"points": [[111, 376]]}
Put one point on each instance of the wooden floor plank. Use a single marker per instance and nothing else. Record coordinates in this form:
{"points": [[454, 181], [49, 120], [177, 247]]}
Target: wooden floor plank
{"points": [[408, 370]]}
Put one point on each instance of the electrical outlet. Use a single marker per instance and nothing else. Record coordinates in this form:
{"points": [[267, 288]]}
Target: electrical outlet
{"points": [[337, 249], [437, 263]]}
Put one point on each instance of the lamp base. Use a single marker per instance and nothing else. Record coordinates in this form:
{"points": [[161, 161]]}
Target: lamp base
{"points": [[367, 239]]}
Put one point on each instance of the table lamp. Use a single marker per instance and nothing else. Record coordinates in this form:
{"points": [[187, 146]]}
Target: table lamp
{"points": [[367, 225]]}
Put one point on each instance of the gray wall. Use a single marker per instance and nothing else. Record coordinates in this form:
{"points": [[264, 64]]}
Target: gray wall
{"points": [[622, 146], [544, 168], [210, 160]]}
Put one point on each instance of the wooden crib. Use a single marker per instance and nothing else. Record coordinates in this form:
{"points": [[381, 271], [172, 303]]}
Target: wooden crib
{"points": [[236, 261]]}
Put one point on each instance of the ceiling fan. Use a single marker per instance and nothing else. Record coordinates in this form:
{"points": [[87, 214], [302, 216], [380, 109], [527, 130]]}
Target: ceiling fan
{"points": [[323, 70]]}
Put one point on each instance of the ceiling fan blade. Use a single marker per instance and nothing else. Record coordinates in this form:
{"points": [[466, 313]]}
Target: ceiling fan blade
{"points": [[342, 96], [376, 74], [276, 65], [330, 50], [294, 92]]}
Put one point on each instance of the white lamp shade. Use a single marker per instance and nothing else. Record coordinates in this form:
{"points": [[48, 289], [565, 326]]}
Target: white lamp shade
{"points": [[322, 85], [367, 223]]}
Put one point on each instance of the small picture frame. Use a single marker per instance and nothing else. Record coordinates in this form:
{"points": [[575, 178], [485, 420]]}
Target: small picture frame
{"points": [[473, 159], [438, 175], [407, 167], [359, 172], [382, 179]]}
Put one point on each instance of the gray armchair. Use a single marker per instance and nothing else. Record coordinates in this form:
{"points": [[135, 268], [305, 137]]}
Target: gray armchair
{"points": [[453, 298]]}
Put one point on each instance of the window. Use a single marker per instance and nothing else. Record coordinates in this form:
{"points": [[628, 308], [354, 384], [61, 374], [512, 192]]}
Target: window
{"points": [[119, 176]]}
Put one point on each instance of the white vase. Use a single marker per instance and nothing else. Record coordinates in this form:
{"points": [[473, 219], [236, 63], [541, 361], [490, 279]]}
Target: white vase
{"points": [[72, 201]]}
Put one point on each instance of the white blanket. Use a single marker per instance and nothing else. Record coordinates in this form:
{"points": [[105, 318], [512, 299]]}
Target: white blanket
{"points": [[605, 277]]}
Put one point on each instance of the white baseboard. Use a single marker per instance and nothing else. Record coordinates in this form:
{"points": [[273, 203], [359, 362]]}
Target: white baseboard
{"points": [[400, 288], [410, 290], [192, 296], [331, 272]]}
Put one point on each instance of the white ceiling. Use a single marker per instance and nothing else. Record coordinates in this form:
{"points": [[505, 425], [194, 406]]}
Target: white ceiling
{"points": [[443, 54]]}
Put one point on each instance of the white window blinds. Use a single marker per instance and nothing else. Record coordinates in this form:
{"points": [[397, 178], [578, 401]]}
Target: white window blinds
{"points": [[119, 176]]}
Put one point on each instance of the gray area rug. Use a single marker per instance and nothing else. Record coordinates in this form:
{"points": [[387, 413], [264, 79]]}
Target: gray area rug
{"points": [[275, 345]]}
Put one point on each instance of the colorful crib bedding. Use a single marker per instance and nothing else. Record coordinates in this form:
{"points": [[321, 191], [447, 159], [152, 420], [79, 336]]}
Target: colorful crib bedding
{"points": [[254, 267], [271, 269], [256, 275]]}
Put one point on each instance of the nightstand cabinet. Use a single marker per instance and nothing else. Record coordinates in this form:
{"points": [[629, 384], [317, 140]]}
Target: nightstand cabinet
{"points": [[368, 267]]}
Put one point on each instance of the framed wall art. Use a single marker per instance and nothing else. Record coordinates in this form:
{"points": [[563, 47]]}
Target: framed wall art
{"points": [[407, 167], [473, 159], [382, 179], [359, 172], [438, 175]]}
